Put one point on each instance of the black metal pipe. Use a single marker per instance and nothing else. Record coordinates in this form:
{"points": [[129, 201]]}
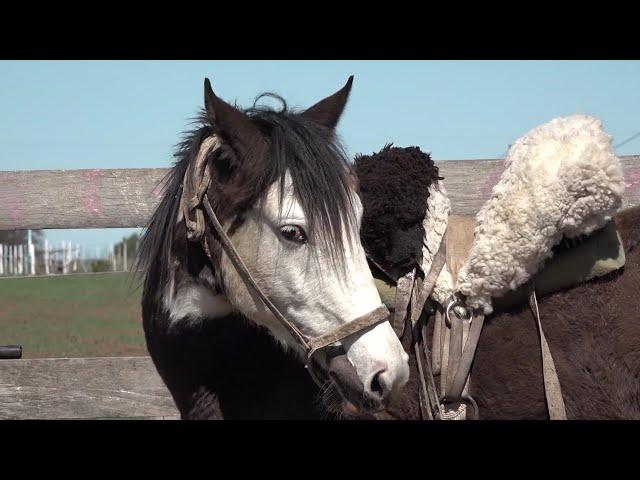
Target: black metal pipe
{"points": [[10, 351]]}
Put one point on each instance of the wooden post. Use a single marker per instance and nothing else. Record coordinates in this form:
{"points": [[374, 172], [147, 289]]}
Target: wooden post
{"points": [[65, 267], [124, 255], [76, 254], [82, 258], [32, 256], [20, 259], [1, 259], [32, 259], [113, 257], [46, 257]]}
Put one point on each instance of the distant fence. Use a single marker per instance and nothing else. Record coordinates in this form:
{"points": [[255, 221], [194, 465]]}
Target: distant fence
{"points": [[130, 387], [17, 259], [65, 258]]}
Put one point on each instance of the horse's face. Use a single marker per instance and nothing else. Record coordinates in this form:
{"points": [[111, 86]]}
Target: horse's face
{"points": [[312, 292], [299, 271]]}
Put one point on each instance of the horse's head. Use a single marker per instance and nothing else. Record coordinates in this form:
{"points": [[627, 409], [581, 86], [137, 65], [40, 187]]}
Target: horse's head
{"points": [[284, 192]]}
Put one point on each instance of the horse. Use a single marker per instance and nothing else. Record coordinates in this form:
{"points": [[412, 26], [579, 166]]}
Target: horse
{"points": [[279, 185], [232, 367]]}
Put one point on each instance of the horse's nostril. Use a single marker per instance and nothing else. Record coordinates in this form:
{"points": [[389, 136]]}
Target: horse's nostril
{"points": [[378, 384]]}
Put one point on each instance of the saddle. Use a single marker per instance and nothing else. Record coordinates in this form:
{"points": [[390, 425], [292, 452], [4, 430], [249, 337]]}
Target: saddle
{"points": [[547, 226], [575, 261]]}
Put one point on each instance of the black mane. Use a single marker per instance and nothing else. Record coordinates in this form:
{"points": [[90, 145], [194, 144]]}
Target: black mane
{"points": [[310, 152]]}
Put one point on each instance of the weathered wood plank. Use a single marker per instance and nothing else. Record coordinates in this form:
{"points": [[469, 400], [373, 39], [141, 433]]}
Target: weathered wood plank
{"points": [[469, 182], [117, 387], [127, 197], [78, 198]]}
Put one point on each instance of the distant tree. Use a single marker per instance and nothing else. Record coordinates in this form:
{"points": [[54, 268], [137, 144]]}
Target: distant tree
{"points": [[100, 266], [132, 247]]}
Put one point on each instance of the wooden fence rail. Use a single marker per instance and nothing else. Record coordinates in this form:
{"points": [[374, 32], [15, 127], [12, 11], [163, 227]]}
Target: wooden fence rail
{"points": [[107, 387], [127, 197], [130, 386]]}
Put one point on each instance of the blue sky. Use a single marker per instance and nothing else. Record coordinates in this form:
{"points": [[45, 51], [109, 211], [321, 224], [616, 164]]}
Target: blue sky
{"points": [[119, 114]]}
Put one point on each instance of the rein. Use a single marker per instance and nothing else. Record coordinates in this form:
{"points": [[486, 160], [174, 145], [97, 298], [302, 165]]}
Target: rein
{"points": [[199, 201]]}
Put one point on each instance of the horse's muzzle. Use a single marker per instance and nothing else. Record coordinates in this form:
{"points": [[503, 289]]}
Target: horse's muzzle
{"points": [[345, 378]]}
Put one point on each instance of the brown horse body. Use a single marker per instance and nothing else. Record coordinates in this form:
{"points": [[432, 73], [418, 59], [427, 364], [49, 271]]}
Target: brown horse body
{"points": [[594, 334]]}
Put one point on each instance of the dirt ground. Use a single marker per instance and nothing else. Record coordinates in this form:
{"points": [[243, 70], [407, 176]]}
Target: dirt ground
{"points": [[72, 316]]}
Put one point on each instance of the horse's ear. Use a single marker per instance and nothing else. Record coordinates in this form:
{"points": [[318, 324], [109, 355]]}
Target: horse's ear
{"points": [[327, 112], [234, 126]]}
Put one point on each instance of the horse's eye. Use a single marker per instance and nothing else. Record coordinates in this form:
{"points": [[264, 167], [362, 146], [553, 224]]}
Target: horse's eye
{"points": [[293, 233]]}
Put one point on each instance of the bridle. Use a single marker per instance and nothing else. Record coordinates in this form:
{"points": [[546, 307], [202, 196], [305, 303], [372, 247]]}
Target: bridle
{"points": [[194, 204]]}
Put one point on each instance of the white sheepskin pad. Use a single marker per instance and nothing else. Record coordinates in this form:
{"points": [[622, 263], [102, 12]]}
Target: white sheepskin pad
{"points": [[561, 179]]}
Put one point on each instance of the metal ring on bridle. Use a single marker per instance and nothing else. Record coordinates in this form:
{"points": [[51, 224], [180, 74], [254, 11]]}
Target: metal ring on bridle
{"points": [[460, 310]]}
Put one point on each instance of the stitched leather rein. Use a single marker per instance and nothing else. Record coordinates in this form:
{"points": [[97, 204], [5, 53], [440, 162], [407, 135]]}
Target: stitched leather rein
{"points": [[193, 201]]}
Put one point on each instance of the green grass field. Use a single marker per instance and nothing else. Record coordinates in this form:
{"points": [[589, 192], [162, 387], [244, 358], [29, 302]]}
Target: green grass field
{"points": [[72, 316]]}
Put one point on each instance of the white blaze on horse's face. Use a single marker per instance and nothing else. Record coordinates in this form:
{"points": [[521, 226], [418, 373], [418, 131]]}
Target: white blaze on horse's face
{"points": [[306, 286]]}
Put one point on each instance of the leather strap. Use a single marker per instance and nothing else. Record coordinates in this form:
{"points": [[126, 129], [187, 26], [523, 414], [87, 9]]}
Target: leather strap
{"points": [[455, 354], [459, 379], [379, 315], [404, 290], [431, 383], [436, 342], [423, 391], [423, 289], [242, 270], [429, 404], [312, 345], [552, 390]]}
